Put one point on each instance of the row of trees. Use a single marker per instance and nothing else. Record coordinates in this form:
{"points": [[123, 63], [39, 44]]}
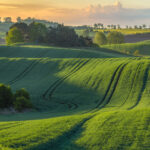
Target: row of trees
{"points": [[19, 101], [112, 38], [118, 26], [38, 33], [95, 26], [6, 20]]}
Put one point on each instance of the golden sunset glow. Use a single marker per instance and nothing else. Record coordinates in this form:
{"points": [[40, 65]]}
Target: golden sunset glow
{"points": [[74, 12]]}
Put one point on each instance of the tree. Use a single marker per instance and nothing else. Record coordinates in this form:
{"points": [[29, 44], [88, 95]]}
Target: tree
{"points": [[135, 27], [7, 20], [22, 100], [118, 26], [108, 26], [22, 93], [19, 20], [22, 103], [127, 27], [112, 26], [95, 26], [6, 96], [14, 35], [115, 38], [62, 36], [23, 27], [144, 26], [100, 38], [19, 101], [140, 27], [37, 32]]}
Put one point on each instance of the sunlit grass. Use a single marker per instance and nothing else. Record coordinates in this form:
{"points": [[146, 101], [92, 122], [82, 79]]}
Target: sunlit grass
{"points": [[83, 100]]}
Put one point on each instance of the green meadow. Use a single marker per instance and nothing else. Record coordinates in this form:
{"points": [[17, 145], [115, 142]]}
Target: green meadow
{"points": [[130, 48], [84, 98]]}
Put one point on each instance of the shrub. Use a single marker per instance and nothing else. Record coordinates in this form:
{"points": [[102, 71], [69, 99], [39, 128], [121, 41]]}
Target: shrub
{"points": [[115, 38], [100, 38], [136, 53], [6, 96], [22, 103], [22, 100], [22, 93]]}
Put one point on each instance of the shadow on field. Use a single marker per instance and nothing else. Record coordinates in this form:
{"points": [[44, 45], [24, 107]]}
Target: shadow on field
{"points": [[67, 141], [67, 100], [51, 95]]}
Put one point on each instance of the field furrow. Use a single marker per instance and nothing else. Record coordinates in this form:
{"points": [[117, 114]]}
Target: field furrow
{"points": [[109, 86]]}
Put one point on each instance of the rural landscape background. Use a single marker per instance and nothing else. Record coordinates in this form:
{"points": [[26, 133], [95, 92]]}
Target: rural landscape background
{"points": [[74, 75]]}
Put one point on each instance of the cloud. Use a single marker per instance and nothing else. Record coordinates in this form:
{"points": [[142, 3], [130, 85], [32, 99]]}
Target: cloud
{"points": [[114, 14], [108, 14]]}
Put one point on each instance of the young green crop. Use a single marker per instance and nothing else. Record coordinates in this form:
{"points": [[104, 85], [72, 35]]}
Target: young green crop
{"points": [[130, 48], [83, 100]]}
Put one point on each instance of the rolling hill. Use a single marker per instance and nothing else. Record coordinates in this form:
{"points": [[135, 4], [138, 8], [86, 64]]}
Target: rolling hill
{"points": [[85, 99], [130, 48]]}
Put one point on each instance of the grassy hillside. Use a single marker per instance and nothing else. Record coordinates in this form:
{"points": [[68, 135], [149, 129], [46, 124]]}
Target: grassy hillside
{"points": [[31, 51], [84, 99], [142, 47]]}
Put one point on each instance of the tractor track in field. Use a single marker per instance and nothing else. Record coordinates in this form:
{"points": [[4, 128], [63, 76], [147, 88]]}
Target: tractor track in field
{"points": [[23, 73], [119, 70], [90, 77], [116, 83], [69, 105], [4, 65], [26, 70], [136, 72], [142, 88], [58, 82], [50, 91], [55, 83], [67, 138]]}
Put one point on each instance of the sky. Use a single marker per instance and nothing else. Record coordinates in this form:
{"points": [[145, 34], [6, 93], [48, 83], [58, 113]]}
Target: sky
{"points": [[80, 12]]}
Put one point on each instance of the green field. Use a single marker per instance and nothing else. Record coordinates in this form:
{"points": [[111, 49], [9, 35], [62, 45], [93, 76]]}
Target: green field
{"points": [[123, 31], [84, 99], [128, 31], [142, 47]]}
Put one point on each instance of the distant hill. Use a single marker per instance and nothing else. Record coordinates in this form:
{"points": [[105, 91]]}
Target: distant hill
{"points": [[4, 27]]}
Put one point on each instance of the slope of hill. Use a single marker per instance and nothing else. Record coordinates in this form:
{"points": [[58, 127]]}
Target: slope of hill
{"points": [[84, 99], [32, 51], [142, 47]]}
